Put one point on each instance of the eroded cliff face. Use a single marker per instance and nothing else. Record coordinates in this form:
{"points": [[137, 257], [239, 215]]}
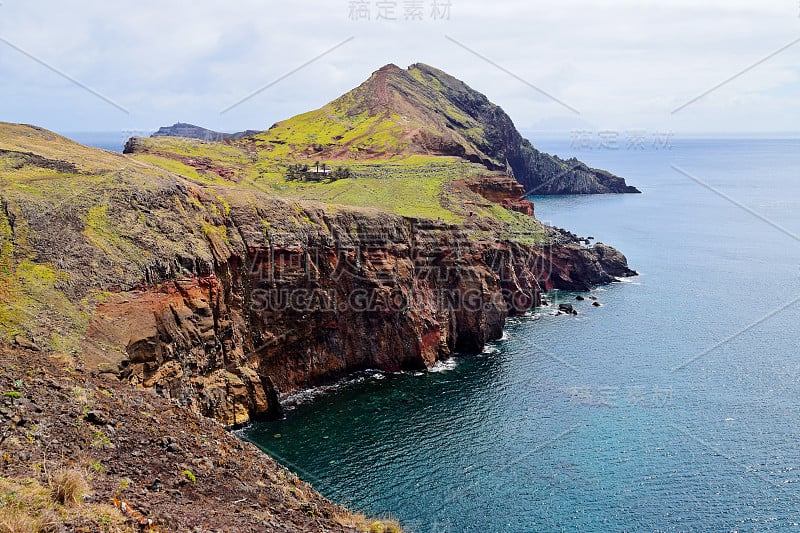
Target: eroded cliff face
{"points": [[503, 190], [293, 302], [223, 298], [503, 147]]}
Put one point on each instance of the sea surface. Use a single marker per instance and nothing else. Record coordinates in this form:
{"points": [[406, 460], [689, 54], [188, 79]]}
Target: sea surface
{"points": [[673, 407], [107, 140]]}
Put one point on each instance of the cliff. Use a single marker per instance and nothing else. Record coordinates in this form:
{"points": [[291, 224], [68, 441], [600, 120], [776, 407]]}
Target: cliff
{"points": [[148, 294], [497, 138], [503, 190], [224, 297]]}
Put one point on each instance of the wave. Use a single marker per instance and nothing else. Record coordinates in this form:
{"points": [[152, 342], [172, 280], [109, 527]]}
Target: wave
{"points": [[490, 349], [290, 401], [444, 365]]}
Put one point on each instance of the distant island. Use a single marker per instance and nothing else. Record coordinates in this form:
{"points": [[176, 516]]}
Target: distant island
{"points": [[182, 129]]}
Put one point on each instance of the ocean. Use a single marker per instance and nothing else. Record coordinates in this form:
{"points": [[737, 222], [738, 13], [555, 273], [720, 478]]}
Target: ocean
{"points": [[673, 407], [113, 141]]}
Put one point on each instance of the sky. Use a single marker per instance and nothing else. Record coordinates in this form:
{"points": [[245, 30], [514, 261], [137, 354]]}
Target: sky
{"points": [[553, 66]]}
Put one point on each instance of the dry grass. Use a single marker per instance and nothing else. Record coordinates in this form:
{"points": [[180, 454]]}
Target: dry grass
{"points": [[390, 526], [13, 521], [16, 521], [28, 506], [69, 486], [362, 524]]}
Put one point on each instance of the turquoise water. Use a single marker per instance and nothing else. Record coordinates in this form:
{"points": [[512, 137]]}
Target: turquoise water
{"points": [[660, 411], [673, 407]]}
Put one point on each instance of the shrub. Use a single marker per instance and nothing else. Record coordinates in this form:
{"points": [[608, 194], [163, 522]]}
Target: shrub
{"points": [[68, 486], [391, 526], [341, 173]]}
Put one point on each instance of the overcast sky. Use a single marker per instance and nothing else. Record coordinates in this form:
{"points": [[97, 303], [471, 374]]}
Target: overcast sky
{"points": [[556, 65]]}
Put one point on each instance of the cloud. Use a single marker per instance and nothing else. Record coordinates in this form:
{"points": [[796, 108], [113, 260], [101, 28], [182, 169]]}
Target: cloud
{"points": [[622, 63]]}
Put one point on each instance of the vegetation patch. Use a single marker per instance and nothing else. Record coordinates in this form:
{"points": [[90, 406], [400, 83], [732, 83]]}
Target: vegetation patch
{"points": [[32, 289], [363, 524], [28, 506]]}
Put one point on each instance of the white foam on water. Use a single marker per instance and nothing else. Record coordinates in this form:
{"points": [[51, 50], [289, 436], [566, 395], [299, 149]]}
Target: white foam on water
{"points": [[307, 395], [443, 366], [490, 349]]}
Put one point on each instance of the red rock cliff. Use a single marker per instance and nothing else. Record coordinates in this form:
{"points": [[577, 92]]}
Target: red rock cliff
{"points": [[503, 190], [281, 305]]}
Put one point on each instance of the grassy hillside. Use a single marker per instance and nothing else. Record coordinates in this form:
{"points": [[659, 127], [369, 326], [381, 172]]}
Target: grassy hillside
{"points": [[405, 134], [388, 132], [394, 114], [415, 185]]}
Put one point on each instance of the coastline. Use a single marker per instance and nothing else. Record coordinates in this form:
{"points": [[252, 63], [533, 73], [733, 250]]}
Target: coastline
{"points": [[307, 396], [174, 290]]}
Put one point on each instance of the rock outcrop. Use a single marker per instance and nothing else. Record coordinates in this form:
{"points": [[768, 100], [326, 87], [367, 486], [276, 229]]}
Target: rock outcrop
{"points": [[496, 188], [502, 190]]}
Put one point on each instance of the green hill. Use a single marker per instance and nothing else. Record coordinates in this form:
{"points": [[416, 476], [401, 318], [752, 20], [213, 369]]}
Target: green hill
{"points": [[397, 118]]}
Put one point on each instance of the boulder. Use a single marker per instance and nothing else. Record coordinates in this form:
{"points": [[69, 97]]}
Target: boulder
{"points": [[22, 342]]}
